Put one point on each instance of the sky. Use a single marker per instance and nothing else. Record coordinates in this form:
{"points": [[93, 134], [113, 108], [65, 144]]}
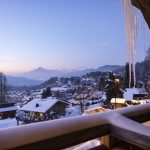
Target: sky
{"points": [[62, 34]]}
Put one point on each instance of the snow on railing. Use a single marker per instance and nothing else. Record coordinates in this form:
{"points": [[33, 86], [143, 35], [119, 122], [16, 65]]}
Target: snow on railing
{"points": [[62, 133]]}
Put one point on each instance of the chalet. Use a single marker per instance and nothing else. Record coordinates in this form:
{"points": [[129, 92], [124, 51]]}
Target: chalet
{"points": [[135, 94], [97, 95], [60, 92], [41, 110], [7, 110], [118, 102]]}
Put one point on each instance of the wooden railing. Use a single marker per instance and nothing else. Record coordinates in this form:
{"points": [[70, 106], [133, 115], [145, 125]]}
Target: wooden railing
{"points": [[124, 125]]}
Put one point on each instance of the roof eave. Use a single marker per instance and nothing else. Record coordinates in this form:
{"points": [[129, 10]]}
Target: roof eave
{"points": [[144, 6]]}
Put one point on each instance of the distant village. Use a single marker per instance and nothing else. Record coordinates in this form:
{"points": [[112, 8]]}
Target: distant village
{"points": [[66, 97]]}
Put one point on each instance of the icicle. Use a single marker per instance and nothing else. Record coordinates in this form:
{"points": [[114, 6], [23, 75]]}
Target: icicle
{"points": [[134, 22], [131, 31]]}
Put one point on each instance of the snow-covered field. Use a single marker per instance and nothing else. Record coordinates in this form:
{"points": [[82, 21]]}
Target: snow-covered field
{"points": [[8, 123]]}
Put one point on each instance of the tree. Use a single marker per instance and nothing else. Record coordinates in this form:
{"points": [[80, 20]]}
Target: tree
{"points": [[139, 71], [112, 86], [50, 82], [46, 93], [75, 80], [146, 71], [64, 80], [2, 87], [101, 82]]}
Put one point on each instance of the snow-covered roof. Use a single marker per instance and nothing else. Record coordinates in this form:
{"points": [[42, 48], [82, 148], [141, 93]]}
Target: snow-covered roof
{"points": [[5, 109], [97, 93], [129, 92], [104, 96], [59, 89], [141, 101], [64, 102], [118, 100], [39, 105], [94, 106], [95, 110]]}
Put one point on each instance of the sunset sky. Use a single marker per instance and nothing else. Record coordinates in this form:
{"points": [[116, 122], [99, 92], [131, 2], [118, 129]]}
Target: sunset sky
{"points": [[62, 34]]}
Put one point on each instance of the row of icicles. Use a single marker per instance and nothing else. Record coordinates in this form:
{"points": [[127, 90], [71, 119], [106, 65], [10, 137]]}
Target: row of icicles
{"points": [[132, 18]]}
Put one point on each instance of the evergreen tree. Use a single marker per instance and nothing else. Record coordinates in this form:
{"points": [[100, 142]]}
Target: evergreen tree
{"points": [[75, 80], [112, 86], [43, 94], [2, 87], [146, 71], [139, 71], [46, 93], [101, 83]]}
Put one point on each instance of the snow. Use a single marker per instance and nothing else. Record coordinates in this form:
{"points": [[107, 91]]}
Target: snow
{"points": [[104, 96], [59, 89], [88, 145], [118, 100], [95, 110], [128, 93], [63, 101], [141, 101], [74, 101], [44, 105], [8, 108], [97, 94], [72, 111], [94, 106], [8, 123]]}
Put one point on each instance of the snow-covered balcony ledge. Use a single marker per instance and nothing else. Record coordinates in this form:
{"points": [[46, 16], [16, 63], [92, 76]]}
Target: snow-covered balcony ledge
{"points": [[63, 133]]}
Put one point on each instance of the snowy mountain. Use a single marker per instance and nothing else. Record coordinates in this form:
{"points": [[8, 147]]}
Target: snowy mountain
{"points": [[41, 74], [21, 81], [44, 74], [106, 68]]}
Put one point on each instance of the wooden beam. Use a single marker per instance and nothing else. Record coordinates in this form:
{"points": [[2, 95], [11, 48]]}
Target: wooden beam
{"points": [[144, 6]]}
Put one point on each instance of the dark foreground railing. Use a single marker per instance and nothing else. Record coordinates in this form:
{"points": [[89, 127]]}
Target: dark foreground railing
{"points": [[121, 125]]}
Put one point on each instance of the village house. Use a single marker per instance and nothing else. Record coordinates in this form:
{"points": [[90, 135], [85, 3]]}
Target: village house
{"points": [[135, 94], [118, 103], [41, 110], [60, 92], [97, 95], [7, 110]]}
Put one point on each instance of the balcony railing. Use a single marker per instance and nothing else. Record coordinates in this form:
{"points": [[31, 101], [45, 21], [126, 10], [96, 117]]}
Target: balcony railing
{"points": [[124, 125]]}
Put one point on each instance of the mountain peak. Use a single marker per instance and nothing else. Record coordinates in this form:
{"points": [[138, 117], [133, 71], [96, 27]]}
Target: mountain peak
{"points": [[39, 69]]}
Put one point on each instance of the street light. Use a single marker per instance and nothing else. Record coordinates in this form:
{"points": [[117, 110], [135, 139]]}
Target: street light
{"points": [[116, 87]]}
